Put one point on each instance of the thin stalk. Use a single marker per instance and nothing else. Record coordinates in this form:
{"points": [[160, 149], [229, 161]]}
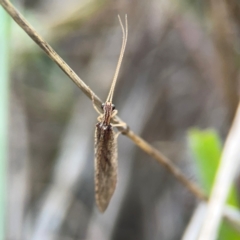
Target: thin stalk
{"points": [[4, 89]]}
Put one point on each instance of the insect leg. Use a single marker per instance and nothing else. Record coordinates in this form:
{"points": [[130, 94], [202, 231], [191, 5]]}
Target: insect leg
{"points": [[114, 113], [122, 124]]}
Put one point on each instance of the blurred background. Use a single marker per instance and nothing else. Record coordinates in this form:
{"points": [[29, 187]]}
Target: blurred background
{"points": [[180, 71]]}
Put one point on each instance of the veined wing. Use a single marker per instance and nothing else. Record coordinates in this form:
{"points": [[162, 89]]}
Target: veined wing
{"points": [[105, 165]]}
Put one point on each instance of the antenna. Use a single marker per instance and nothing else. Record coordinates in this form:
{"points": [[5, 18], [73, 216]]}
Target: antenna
{"points": [[124, 42]]}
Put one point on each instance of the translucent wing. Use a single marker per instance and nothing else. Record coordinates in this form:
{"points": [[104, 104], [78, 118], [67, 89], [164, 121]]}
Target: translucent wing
{"points": [[105, 165]]}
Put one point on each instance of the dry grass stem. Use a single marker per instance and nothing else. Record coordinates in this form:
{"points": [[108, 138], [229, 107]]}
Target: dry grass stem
{"points": [[146, 147], [229, 164], [194, 226]]}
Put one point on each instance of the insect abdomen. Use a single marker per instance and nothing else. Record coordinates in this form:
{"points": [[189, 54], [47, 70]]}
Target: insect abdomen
{"points": [[105, 165]]}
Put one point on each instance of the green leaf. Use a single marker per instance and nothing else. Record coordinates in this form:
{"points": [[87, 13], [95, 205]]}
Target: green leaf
{"points": [[206, 149]]}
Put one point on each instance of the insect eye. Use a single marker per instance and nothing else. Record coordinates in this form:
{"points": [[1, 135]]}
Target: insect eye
{"points": [[102, 105], [113, 107]]}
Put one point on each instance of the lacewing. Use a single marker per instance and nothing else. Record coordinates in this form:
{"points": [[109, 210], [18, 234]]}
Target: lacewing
{"points": [[106, 141]]}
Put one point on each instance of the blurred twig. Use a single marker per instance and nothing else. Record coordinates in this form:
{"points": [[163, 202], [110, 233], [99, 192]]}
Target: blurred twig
{"points": [[68, 172], [194, 226], [227, 170], [88, 92], [4, 89], [225, 40], [193, 229], [18, 170]]}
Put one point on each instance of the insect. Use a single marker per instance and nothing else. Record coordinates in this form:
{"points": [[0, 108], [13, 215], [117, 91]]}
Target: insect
{"points": [[106, 141]]}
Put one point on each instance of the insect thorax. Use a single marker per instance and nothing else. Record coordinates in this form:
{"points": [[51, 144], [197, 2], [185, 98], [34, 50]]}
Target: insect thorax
{"points": [[108, 109]]}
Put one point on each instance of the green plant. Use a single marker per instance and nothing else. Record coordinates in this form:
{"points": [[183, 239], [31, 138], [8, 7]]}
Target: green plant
{"points": [[206, 149]]}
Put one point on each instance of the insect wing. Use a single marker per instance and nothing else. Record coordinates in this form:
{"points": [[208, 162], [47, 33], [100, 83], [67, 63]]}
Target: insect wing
{"points": [[105, 165]]}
